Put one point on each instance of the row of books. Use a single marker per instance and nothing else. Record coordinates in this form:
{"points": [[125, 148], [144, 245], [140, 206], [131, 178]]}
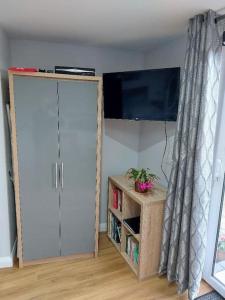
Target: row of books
{"points": [[114, 228], [117, 199], [132, 249]]}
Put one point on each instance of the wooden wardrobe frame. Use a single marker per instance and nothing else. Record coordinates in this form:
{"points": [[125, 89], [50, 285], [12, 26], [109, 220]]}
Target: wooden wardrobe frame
{"points": [[54, 76]]}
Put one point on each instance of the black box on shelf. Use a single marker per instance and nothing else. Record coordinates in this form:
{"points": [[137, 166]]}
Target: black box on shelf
{"points": [[75, 71]]}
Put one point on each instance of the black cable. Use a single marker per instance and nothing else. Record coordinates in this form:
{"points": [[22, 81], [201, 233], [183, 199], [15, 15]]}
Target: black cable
{"points": [[165, 153]]}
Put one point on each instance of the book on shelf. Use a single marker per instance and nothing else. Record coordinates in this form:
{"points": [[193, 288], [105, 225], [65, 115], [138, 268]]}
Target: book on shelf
{"points": [[133, 224], [132, 249], [114, 228], [117, 199]]}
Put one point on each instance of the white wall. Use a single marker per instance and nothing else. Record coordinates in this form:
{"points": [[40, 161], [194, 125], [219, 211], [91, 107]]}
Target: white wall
{"points": [[120, 152], [166, 55], [44, 54], [7, 207], [121, 138], [152, 135], [152, 145]]}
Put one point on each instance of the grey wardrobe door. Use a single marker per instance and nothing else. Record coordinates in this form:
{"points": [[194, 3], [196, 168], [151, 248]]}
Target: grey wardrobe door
{"points": [[37, 123], [78, 129]]}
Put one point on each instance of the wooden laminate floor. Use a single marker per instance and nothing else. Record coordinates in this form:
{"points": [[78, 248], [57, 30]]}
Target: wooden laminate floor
{"points": [[106, 277]]}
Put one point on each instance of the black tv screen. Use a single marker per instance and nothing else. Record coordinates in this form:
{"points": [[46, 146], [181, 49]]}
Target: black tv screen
{"points": [[142, 95]]}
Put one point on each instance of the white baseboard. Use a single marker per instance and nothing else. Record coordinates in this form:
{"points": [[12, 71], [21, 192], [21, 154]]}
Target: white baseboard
{"points": [[7, 261], [103, 227]]}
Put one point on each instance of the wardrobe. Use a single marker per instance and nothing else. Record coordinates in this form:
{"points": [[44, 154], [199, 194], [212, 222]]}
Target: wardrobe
{"points": [[56, 144]]}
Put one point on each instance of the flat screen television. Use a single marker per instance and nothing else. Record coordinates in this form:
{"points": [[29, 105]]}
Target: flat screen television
{"points": [[142, 95]]}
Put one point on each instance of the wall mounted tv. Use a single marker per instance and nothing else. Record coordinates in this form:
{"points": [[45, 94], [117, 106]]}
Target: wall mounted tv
{"points": [[142, 95]]}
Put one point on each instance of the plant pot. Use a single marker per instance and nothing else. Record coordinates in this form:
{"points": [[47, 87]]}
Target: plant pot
{"points": [[139, 190]]}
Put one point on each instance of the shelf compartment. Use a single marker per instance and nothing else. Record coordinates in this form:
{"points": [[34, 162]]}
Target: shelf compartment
{"points": [[114, 229], [130, 208], [115, 203], [132, 244], [137, 236]]}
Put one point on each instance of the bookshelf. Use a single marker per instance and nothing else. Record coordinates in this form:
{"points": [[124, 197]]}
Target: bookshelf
{"points": [[141, 250]]}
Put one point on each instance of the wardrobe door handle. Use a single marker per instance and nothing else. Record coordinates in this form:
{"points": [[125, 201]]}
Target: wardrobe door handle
{"points": [[56, 175], [62, 175]]}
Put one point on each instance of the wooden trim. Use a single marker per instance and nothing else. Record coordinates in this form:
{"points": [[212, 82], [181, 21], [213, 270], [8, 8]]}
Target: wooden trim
{"points": [[98, 163], [16, 171], [55, 76], [57, 259], [15, 154]]}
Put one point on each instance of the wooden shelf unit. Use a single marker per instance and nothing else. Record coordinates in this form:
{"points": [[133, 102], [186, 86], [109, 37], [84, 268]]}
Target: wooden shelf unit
{"points": [[150, 208]]}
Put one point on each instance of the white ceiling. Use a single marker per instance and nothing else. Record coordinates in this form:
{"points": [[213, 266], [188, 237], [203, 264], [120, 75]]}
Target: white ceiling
{"points": [[134, 24]]}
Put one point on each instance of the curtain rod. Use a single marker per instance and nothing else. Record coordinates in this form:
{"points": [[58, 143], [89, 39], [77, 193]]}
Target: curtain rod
{"points": [[222, 17]]}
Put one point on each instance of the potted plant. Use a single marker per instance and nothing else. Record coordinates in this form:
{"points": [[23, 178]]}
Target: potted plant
{"points": [[220, 254], [143, 179]]}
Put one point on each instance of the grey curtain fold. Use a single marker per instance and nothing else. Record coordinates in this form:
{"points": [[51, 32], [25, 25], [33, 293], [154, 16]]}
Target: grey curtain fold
{"points": [[188, 197]]}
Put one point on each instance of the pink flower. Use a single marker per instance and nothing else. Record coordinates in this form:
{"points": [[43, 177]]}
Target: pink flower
{"points": [[145, 185]]}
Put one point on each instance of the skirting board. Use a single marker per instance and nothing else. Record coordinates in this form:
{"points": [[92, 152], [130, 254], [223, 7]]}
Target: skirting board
{"points": [[7, 261], [103, 227]]}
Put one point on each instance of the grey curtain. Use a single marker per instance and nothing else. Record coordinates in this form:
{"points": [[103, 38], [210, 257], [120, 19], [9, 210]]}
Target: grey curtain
{"points": [[188, 198]]}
